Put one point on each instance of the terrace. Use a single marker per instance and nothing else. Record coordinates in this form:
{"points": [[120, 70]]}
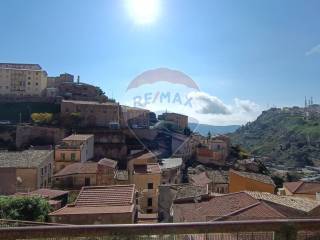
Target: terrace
{"points": [[300, 229]]}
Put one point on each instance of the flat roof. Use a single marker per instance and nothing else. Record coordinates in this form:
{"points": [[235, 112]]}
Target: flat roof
{"points": [[90, 102], [78, 137]]}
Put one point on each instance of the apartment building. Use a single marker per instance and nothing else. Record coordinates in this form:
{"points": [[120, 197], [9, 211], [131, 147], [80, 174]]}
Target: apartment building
{"points": [[25, 171], [74, 148], [77, 175], [22, 79], [95, 114]]}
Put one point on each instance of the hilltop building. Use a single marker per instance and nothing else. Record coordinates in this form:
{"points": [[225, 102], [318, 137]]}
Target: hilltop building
{"points": [[22, 79], [180, 120], [93, 114]]}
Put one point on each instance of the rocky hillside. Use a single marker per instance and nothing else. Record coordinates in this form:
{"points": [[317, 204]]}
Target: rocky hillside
{"points": [[289, 136]]}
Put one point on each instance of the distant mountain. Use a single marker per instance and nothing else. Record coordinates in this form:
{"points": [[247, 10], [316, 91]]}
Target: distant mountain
{"points": [[288, 136], [203, 129]]}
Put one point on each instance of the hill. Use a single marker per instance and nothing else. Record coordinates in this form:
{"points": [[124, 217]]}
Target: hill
{"points": [[203, 129], [289, 136]]}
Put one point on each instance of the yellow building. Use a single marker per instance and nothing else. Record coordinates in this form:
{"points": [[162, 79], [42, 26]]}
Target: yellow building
{"points": [[75, 148], [22, 79], [147, 180], [246, 181]]}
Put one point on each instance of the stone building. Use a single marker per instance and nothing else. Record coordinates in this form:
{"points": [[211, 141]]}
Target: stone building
{"points": [[25, 171], [74, 148], [171, 170], [180, 120], [77, 175], [134, 117], [22, 79], [247, 181], [95, 114], [147, 178], [55, 82], [100, 205]]}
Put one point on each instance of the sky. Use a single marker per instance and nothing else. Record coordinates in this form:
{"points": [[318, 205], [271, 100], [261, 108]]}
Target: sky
{"points": [[245, 56]]}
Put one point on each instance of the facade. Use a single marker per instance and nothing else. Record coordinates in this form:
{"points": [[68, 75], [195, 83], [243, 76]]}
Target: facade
{"points": [[180, 120], [182, 146], [216, 181], [245, 181], [99, 205], [74, 148], [302, 189], [135, 117], [22, 79], [26, 170], [93, 114], [209, 156], [77, 175], [171, 170], [170, 193], [147, 178], [55, 82]]}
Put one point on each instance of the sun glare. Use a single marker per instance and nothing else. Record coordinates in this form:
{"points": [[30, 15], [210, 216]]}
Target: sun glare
{"points": [[143, 11]]}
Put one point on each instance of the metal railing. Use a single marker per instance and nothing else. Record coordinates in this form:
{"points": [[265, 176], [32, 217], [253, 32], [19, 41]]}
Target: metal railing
{"points": [[298, 229]]}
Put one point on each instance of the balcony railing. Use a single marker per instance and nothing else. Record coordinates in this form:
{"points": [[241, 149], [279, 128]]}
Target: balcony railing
{"points": [[300, 229]]}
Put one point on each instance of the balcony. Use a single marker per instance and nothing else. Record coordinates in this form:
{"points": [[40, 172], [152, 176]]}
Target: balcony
{"points": [[300, 229]]}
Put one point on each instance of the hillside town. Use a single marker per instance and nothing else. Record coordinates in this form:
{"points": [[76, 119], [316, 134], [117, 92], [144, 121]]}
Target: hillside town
{"points": [[96, 161]]}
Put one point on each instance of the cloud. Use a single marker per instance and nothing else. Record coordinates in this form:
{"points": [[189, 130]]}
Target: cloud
{"points": [[314, 50], [246, 105], [207, 104], [212, 110]]}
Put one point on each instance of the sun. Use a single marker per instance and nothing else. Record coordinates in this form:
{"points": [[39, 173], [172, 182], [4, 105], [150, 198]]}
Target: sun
{"points": [[143, 11]]}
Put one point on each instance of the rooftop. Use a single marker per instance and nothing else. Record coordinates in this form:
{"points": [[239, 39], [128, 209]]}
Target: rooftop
{"points": [[255, 176], [303, 187], [20, 66], [113, 195], [78, 168], [108, 162], [168, 163], [78, 137], [244, 206], [45, 192], [90, 103], [23, 159], [147, 168], [101, 199], [301, 204]]}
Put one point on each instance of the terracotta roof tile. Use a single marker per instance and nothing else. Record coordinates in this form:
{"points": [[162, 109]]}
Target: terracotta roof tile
{"points": [[115, 195], [78, 168], [255, 176], [303, 187], [78, 137], [200, 179]]}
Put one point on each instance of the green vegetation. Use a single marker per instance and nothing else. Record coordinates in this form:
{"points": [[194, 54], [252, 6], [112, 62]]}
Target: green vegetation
{"points": [[24, 208], [13, 111], [284, 135]]}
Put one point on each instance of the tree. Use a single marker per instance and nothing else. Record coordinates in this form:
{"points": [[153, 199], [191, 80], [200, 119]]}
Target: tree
{"points": [[26, 208], [187, 131], [42, 118], [209, 135]]}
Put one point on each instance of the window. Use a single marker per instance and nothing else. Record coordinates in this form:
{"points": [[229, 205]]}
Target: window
{"points": [[150, 185], [41, 171], [63, 156], [149, 202], [29, 83], [37, 84], [73, 156], [87, 181]]}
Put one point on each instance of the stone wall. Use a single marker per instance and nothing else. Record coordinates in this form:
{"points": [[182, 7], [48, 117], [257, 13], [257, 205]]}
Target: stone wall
{"points": [[27, 135]]}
